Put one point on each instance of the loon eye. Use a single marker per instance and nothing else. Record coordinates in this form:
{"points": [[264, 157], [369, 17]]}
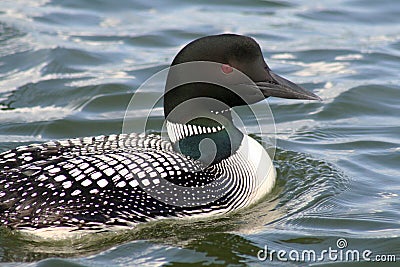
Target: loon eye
{"points": [[226, 68]]}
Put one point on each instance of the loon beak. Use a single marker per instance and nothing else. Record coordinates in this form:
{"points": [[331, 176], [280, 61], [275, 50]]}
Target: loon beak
{"points": [[278, 86]]}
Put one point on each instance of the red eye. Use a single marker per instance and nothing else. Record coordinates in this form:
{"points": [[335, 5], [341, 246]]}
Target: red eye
{"points": [[226, 68]]}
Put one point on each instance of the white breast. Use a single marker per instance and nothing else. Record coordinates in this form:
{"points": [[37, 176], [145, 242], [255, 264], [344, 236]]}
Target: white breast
{"points": [[264, 173]]}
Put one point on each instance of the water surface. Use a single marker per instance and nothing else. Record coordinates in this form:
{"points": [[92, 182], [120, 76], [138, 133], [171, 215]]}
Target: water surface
{"points": [[69, 68]]}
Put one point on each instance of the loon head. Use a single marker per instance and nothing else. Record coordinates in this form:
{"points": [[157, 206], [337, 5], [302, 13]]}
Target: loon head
{"points": [[206, 79], [239, 65]]}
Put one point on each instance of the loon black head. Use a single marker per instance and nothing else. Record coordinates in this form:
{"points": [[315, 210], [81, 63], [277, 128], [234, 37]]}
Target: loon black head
{"points": [[234, 54], [206, 79]]}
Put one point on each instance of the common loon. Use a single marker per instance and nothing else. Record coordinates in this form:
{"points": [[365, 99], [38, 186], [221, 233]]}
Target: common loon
{"points": [[97, 183]]}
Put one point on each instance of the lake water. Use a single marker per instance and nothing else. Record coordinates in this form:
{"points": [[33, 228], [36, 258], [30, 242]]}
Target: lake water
{"points": [[69, 68]]}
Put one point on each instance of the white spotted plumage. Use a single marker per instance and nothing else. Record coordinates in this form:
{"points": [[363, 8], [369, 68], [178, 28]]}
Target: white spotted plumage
{"points": [[95, 183]]}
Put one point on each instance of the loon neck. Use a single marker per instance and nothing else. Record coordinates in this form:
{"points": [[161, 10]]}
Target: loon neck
{"points": [[206, 140]]}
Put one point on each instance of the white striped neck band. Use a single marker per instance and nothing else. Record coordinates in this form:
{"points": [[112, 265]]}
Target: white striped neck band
{"points": [[179, 131]]}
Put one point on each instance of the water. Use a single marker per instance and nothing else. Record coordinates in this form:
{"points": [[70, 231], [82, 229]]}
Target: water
{"points": [[69, 68]]}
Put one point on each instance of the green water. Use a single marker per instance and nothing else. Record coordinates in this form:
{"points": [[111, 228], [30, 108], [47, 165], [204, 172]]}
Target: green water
{"points": [[69, 69]]}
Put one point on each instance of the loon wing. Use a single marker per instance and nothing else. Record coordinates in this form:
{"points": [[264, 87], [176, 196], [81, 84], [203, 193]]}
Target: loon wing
{"points": [[92, 182]]}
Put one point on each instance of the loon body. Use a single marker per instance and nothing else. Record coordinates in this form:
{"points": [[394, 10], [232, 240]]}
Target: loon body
{"points": [[95, 183]]}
